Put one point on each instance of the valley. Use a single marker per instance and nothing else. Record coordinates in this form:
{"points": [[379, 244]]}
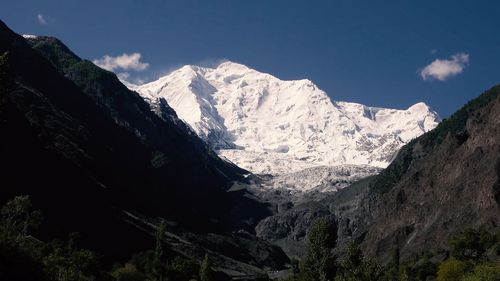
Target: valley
{"points": [[232, 171]]}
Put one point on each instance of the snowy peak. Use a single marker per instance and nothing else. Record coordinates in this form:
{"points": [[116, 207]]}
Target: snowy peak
{"points": [[232, 68], [407, 124], [29, 36], [268, 125], [419, 107]]}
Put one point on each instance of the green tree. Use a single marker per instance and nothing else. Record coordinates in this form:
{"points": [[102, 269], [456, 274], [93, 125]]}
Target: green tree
{"points": [[65, 262], [319, 264], [128, 272], [18, 217], [354, 266], [158, 253], [403, 274], [425, 269], [206, 273], [452, 270], [145, 263], [471, 245], [183, 269], [484, 272]]}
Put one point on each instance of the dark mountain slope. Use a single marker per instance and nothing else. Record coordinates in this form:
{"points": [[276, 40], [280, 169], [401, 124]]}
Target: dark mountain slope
{"points": [[84, 148], [122, 157], [71, 199], [440, 184], [176, 153]]}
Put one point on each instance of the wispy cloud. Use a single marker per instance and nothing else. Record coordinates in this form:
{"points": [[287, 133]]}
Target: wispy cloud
{"points": [[41, 19], [123, 62], [442, 69], [124, 76], [129, 80]]}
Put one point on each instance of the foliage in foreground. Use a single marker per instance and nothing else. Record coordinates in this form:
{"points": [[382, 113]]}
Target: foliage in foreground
{"points": [[319, 262], [474, 257], [24, 257]]}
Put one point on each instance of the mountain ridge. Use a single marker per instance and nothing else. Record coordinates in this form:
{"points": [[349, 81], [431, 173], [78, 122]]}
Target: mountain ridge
{"points": [[439, 184], [268, 125]]}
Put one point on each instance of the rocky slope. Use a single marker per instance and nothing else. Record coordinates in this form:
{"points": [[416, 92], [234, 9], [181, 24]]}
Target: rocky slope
{"points": [[267, 125], [441, 183], [293, 215]]}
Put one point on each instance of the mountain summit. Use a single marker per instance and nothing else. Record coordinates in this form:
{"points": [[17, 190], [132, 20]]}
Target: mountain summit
{"points": [[268, 125]]}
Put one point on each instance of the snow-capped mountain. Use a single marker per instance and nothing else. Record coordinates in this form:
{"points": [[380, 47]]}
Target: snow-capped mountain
{"points": [[267, 125]]}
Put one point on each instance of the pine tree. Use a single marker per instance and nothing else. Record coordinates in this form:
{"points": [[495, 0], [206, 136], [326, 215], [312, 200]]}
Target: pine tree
{"points": [[206, 273], [354, 266], [319, 264], [158, 254], [18, 217]]}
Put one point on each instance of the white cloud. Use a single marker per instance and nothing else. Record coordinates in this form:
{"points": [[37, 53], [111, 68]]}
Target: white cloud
{"points": [[123, 76], [123, 62], [41, 19], [445, 68], [129, 80]]}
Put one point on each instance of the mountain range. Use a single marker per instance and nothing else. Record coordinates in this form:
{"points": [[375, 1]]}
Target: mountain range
{"points": [[271, 126]]}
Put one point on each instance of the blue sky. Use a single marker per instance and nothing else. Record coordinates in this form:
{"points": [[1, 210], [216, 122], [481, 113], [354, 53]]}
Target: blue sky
{"points": [[372, 51]]}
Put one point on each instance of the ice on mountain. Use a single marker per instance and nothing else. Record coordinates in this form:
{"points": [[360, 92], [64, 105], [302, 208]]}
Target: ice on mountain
{"points": [[268, 125]]}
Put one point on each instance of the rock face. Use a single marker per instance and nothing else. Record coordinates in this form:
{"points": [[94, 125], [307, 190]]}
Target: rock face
{"points": [[288, 228], [441, 183], [292, 218], [270, 126]]}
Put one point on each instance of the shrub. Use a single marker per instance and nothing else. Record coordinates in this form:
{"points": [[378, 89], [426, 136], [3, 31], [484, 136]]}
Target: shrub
{"points": [[471, 245], [128, 272], [484, 272], [452, 270]]}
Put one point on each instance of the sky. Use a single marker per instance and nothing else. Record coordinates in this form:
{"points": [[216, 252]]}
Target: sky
{"points": [[390, 53]]}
